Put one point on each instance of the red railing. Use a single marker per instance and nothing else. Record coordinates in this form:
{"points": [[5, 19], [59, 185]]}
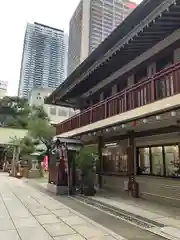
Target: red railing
{"points": [[164, 84]]}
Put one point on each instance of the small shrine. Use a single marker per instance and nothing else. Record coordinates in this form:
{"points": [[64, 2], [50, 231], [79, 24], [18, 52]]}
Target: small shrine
{"points": [[62, 169]]}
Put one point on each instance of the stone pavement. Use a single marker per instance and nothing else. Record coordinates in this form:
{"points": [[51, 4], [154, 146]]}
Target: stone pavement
{"points": [[161, 213], [27, 214]]}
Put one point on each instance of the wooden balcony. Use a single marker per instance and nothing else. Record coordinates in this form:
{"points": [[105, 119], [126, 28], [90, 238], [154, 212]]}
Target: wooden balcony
{"points": [[162, 85]]}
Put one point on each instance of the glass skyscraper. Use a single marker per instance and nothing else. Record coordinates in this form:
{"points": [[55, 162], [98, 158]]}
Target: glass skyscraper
{"points": [[43, 60]]}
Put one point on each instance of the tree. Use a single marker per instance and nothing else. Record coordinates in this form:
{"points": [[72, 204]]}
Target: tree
{"points": [[26, 145], [85, 161], [41, 130], [38, 112], [14, 112]]}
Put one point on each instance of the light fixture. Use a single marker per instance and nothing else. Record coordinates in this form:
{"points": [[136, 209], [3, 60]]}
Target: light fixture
{"points": [[111, 145], [173, 113], [145, 120], [158, 117], [114, 128], [123, 126], [134, 123]]}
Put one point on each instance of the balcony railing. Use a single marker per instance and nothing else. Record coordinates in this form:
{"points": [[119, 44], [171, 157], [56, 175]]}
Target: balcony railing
{"points": [[163, 84]]}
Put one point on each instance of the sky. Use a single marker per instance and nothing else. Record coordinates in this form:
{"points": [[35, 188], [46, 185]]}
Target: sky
{"points": [[14, 15]]}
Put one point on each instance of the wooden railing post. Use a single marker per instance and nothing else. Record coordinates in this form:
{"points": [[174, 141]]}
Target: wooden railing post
{"points": [[152, 90], [125, 101], [105, 109], [79, 120], [91, 115]]}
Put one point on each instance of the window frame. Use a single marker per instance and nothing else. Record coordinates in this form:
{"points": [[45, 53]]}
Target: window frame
{"points": [[163, 159]]}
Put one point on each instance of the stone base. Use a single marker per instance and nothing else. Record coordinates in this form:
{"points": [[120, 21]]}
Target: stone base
{"points": [[58, 190], [34, 174]]}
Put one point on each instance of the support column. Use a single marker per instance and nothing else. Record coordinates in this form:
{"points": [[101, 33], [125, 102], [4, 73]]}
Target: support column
{"points": [[132, 184], [100, 167], [14, 162], [5, 162]]}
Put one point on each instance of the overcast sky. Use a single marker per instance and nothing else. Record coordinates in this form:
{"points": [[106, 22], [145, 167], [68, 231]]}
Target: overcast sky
{"points": [[14, 14]]}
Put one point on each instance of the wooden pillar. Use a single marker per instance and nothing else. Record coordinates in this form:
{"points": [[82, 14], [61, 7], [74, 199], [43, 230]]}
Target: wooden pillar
{"points": [[100, 167], [132, 184]]}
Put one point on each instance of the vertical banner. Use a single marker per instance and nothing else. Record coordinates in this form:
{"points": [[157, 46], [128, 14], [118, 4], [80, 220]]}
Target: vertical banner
{"points": [[45, 163]]}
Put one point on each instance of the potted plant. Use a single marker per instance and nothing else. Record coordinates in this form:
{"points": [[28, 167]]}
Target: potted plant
{"points": [[85, 163]]}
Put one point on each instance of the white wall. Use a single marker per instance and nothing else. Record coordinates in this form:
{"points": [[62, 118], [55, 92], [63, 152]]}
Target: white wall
{"points": [[7, 134], [3, 93], [56, 114]]}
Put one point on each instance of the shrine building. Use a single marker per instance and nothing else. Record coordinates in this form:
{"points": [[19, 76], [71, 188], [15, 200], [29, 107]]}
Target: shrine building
{"points": [[128, 93]]}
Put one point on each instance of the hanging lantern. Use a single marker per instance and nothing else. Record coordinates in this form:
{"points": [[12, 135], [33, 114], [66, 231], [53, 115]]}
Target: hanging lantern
{"points": [[145, 120], [173, 113], [134, 123]]}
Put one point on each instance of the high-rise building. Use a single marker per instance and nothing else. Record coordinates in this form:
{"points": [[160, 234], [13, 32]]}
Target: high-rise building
{"points": [[43, 60], [91, 23], [3, 88], [66, 38]]}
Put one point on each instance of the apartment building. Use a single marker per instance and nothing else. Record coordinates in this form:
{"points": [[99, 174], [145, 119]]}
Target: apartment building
{"points": [[43, 59], [91, 23]]}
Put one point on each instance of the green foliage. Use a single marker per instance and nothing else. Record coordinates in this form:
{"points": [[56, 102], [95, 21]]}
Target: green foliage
{"points": [[14, 112], [26, 146], [84, 159], [41, 130], [39, 112], [40, 158]]}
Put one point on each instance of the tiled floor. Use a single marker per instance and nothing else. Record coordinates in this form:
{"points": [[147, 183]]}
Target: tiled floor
{"points": [[27, 214]]}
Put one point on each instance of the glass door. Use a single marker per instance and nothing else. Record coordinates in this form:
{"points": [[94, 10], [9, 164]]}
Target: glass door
{"points": [[157, 161], [144, 166], [172, 162]]}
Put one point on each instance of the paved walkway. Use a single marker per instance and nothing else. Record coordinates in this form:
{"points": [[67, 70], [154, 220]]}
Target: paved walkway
{"points": [[164, 214], [27, 214]]}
